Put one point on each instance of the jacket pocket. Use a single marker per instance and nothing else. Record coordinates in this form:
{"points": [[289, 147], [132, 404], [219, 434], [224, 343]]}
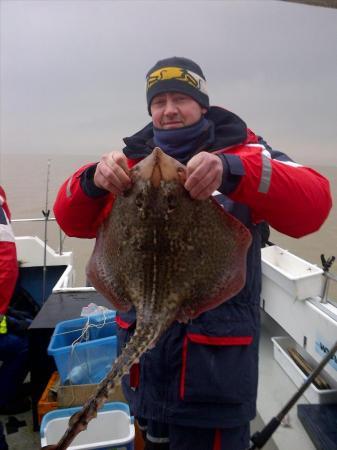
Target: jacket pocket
{"points": [[217, 369]]}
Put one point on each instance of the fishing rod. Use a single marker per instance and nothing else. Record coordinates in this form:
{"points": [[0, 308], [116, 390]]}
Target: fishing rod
{"points": [[45, 213], [260, 438]]}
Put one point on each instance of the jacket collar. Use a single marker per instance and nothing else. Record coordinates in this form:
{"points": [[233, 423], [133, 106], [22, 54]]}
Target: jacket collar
{"points": [[226, 129]]}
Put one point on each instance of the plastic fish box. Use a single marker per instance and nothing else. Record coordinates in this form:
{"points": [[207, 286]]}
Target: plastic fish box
{"points": [[312, 394], [293, 274], [112, 429], [84, 348]]}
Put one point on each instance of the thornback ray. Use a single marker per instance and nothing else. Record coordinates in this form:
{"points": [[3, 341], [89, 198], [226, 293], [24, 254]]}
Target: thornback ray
{"points": [[167, 255]]}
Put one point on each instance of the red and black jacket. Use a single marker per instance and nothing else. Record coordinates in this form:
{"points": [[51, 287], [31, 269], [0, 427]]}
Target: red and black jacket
{"points": [[204, 373], [292, 198], [8, 257]]}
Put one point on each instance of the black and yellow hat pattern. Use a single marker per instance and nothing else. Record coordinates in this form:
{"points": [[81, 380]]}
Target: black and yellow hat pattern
{"points": [[177, 75]]}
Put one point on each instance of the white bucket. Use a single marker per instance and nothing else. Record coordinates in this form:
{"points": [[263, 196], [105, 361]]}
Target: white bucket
{"points": [[112, 429]]}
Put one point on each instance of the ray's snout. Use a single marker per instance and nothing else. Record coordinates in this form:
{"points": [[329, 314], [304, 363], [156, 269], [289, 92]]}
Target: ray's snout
{"points": [[159, 167]]}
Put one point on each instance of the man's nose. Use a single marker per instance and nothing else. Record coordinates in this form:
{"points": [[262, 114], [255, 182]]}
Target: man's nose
{"points": [[170, 107]]}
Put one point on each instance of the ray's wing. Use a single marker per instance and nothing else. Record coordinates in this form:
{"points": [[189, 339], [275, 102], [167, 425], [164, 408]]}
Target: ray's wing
{"points": [[224, 249], [99, 273]]}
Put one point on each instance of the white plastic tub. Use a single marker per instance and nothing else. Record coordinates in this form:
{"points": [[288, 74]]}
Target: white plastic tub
{"points": [[294, 275], [112, 429], [312, 394]]}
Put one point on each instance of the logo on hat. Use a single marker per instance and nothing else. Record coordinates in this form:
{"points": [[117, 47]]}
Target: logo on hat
{"points": [[177, 73]]}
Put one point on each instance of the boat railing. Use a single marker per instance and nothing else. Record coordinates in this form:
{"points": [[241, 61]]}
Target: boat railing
{"points": [[62, 236]]}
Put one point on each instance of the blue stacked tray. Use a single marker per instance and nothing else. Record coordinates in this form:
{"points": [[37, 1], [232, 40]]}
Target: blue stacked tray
{"points": [[84, 348]]}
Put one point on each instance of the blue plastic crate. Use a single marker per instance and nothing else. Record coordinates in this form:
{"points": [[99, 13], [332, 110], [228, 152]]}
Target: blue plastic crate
{"points": [[112, 429], [84, 357]]}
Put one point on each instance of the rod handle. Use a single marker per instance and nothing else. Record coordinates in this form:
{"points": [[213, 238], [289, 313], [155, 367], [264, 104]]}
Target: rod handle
{"points": [[260, 438]]}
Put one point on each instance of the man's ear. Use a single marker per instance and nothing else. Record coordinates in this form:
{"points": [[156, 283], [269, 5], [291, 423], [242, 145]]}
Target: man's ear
{"points": [[204, 110]]}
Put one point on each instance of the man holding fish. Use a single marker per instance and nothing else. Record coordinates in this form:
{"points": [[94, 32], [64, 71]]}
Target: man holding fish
{"points": [[196, 388]]}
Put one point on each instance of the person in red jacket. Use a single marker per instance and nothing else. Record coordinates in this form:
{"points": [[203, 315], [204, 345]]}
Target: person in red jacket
{"points": [[8, 260], [197, 388], [13, 346]]}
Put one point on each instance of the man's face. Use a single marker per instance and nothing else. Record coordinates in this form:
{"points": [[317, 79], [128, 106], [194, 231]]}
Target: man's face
{"points": [[175, 110]]}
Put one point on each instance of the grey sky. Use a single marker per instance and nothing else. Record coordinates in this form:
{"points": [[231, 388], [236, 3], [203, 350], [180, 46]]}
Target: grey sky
{"points": [[73, 71]]}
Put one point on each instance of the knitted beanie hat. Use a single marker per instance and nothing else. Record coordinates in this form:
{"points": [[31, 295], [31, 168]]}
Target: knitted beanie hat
{"points": [[177, 74]]}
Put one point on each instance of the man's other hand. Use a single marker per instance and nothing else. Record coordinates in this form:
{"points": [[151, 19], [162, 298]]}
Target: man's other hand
{"points": [[112, 173], [203, 175]]}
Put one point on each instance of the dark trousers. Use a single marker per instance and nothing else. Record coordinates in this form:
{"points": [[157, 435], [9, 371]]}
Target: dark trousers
{"points": [[160, 436], [14, 368]]}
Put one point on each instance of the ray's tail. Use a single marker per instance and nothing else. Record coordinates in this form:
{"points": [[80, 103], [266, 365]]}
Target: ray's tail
{"points": [[133, 350]]}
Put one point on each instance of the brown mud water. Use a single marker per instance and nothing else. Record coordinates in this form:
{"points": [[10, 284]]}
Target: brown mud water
{"points": [[169, 256]]}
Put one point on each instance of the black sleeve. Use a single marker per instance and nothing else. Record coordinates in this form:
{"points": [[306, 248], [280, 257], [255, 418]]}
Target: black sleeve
{"points": [[87, 183]]}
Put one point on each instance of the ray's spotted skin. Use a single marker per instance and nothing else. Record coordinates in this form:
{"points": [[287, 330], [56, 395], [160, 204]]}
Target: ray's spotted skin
{"points": [[169, 256]]}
